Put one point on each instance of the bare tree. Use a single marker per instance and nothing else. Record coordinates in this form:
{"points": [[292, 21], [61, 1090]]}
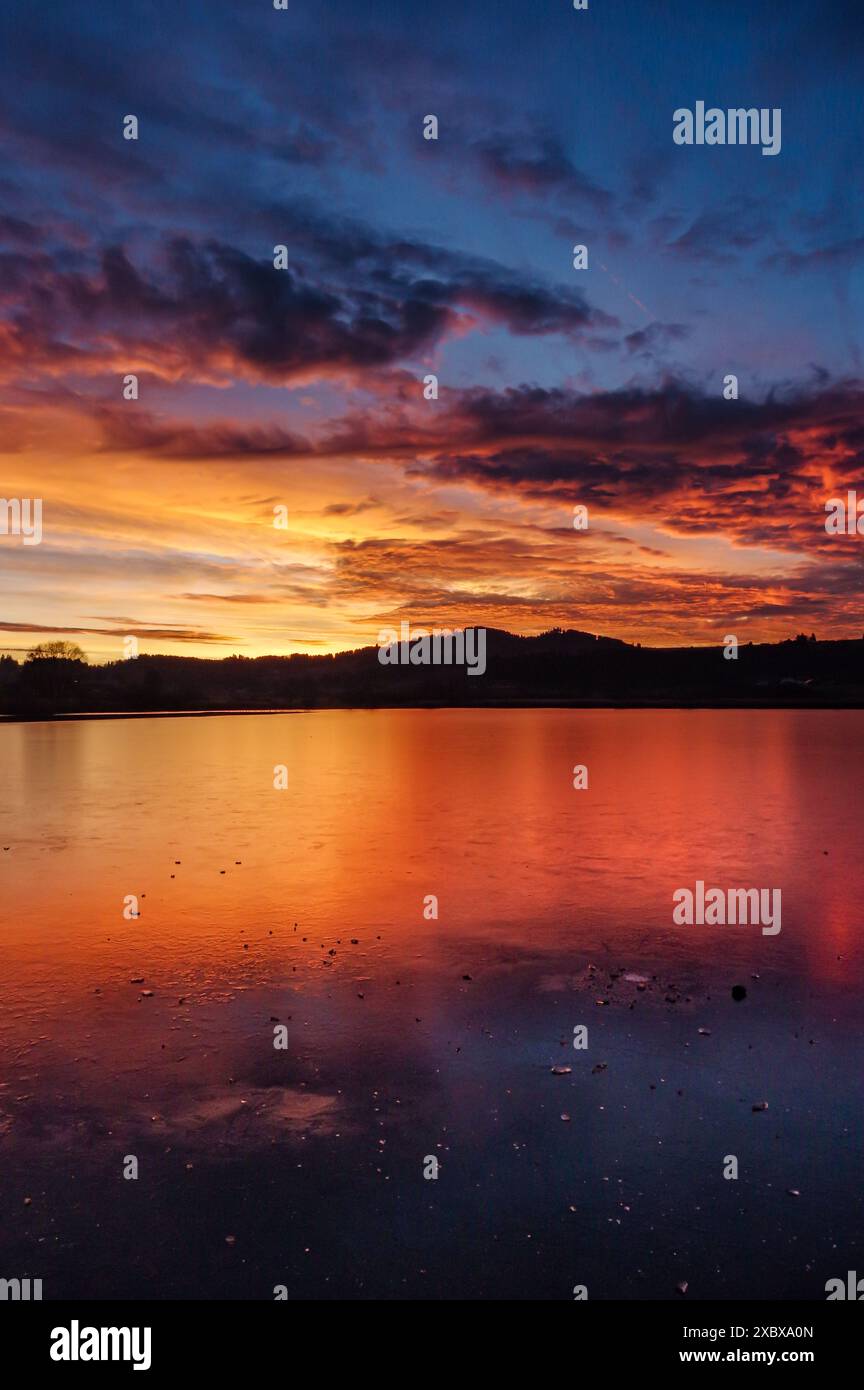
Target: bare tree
{"points": [[56, 651]]}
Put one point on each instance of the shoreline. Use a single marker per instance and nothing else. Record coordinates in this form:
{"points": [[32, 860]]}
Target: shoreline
{"points": [[97, 715]]}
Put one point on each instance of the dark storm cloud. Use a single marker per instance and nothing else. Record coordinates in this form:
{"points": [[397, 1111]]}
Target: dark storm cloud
{"points": [[141, 432], [200, 308], [757, 471]]}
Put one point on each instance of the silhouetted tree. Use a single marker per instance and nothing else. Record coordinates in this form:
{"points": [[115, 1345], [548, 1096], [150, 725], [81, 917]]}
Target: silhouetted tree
{"points": [[50, 674], [56, 651]]}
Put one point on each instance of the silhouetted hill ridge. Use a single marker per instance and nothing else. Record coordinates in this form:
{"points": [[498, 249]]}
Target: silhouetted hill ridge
{"points": [[559, 667]]}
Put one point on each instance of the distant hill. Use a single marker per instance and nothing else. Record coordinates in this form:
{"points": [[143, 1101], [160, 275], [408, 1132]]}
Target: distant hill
{"points": [[555, 668]]}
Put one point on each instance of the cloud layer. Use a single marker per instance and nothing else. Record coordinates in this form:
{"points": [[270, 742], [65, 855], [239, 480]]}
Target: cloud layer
{"points": [[301, 396]]}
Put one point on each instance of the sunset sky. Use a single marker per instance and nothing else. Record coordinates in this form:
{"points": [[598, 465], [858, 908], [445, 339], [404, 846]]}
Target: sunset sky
{"points": [[303, 387]]}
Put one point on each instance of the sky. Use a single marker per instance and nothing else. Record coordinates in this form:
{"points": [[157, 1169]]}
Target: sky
{"points": [[296, 395]]}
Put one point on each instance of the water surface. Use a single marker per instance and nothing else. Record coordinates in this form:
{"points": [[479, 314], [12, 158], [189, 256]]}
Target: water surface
{"points": [[304, 1167]]}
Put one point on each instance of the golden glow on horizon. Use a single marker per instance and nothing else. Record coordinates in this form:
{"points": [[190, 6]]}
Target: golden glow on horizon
{"points": [[183, 554]]}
